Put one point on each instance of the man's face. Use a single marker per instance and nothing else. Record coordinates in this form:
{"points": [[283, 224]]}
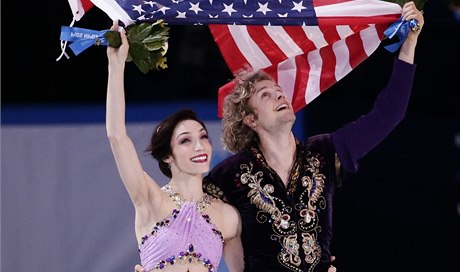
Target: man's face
{"points": [[271, 107]]}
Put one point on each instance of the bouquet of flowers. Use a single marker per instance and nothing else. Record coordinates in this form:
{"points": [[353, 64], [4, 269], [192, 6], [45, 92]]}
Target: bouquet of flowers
{"points": [[147, 44]]}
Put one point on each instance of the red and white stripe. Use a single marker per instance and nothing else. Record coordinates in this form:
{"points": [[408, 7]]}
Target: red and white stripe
{"points": [[307, 60], [79, 8]]}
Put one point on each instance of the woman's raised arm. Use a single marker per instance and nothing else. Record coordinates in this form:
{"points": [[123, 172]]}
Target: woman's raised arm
{"points": [[140, 186]]}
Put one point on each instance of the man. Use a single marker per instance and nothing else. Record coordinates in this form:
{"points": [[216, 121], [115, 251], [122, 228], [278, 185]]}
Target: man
{"points": [[283, 187]]}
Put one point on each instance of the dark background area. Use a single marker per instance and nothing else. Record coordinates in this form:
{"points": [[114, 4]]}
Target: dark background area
{"points": [[398, 213], [31, 73]]}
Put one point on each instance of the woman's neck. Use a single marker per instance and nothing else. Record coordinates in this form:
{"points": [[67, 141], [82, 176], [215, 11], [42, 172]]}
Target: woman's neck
{"points": [[189, 187]]}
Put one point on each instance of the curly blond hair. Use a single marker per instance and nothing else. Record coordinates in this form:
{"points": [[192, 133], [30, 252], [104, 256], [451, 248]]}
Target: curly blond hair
{"points": [[236, 135]]}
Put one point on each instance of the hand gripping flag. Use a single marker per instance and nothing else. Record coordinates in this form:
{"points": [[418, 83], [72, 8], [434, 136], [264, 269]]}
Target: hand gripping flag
{"points": [[305, 45]]}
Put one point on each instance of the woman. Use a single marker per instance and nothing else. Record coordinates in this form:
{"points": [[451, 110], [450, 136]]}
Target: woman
{"points": [[178, 227]]}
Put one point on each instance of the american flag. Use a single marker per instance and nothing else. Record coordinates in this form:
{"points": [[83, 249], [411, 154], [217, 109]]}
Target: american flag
{"points": [[79, 7], [305, 45]]}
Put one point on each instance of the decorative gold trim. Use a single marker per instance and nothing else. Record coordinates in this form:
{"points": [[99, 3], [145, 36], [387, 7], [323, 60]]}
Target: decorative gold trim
{"points": [[273, 210], [179, 200]]}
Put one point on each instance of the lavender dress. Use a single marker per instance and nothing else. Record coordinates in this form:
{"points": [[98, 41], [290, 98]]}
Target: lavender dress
{"points": [[187, 235]]}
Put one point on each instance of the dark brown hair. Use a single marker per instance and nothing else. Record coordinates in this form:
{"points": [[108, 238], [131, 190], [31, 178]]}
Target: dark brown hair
{"points": [[160, 142]]}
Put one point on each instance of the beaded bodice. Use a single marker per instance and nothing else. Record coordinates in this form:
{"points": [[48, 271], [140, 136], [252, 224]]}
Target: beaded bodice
{"points": [[187, 235]]}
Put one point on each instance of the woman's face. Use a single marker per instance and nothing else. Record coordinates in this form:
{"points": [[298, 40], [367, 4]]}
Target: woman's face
{"points": [[191, 149]]}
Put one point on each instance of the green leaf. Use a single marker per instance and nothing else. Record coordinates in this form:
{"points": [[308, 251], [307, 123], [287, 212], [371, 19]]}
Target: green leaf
{"points": [[139, 32], [159, 60], [144, 64], [159, 28], [113, 38], [147, 45], [138, 50], [154, 44], [129, 58], [155, 38]]}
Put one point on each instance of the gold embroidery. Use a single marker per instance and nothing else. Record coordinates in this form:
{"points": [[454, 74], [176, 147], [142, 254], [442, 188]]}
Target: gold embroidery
{"points": [[314, 186], [213, 190], [311, 249], [337, 164], [259, 196], [295, 173], [309, 224], [273, 210], [291, 250]]}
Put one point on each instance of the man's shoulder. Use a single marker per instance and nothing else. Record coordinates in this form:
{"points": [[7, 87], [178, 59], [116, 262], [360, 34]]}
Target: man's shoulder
{"points": [[232, 159], [319, 144], [318, 139]]}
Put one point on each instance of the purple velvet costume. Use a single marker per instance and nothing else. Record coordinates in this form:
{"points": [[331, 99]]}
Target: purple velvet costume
{"points": [[290, 228], [186, 236]]}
